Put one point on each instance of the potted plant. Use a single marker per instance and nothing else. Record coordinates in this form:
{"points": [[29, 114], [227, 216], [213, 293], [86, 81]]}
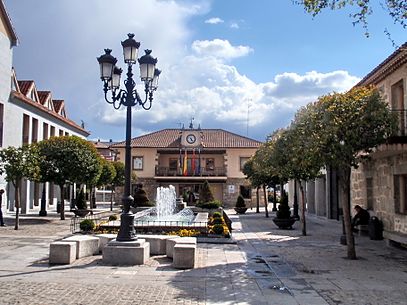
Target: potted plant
{"points": [[283, 218], [81, 206], [240, 207]]}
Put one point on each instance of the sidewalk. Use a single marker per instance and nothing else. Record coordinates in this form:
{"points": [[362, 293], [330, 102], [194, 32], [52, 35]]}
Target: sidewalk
{"points": [[266, 266]]}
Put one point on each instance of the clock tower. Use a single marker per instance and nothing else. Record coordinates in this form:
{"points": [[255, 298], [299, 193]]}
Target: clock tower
{"points": [[191, 137]]}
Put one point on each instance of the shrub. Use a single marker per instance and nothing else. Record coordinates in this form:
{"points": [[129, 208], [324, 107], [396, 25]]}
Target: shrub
{"points": [[140, 197], [217, 215], [185, 232], [283, 208], [87, 225], [81, 200], [240, 202], [218, 229], [217, 221], [210, 205], [112, 217], [205, 194]]}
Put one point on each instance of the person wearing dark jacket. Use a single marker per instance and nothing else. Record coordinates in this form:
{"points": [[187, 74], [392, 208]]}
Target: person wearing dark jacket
{"points": [[361, 217]]}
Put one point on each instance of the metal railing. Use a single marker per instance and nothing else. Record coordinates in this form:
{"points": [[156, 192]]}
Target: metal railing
{"points": [[164, 171], [97, 218]]}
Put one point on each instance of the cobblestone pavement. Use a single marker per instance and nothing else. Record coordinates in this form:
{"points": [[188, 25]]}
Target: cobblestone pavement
{"points": [[266, 266]]}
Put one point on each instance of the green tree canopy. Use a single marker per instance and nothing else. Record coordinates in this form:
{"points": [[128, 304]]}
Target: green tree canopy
{"points": [[107, 174], [68, 159], [18, 163]]}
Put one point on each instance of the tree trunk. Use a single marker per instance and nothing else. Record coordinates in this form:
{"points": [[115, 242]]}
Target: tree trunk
{"points": [[17, 203], [303, 222], [344, 182], [265, 200], [62, 204], [111, 199], [258, 200]]}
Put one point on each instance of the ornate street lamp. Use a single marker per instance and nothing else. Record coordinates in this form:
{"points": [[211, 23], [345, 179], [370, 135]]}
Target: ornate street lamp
{"points": [[129, 97]]}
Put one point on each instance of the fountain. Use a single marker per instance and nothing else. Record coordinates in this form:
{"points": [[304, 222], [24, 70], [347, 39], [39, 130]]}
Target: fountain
{"points": [[163, 216]]}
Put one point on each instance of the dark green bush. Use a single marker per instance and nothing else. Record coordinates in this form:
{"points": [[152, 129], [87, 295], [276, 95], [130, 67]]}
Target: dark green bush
{"points": [[81, 200], [87, 225], [283, 208], [218, 229], [140, 197], [112, 217], [217, 221], [210, 205], [217, 215], [240, 202], [205, 195]]}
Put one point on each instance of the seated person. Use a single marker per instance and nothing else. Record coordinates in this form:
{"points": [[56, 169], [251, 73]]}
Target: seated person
{"points": [[361, 217]]}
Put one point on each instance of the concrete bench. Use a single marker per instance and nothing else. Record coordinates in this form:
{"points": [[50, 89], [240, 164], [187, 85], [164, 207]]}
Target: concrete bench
{"points": [[171, 242], [104, 239], [62, 252], [85, 245], [157, 243], [126, 253], [184, 256]]}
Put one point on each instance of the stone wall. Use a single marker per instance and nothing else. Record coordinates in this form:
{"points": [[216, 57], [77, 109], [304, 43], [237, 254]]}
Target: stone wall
{"points": [[382, 171]]}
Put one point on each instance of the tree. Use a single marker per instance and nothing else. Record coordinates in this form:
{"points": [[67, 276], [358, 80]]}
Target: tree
{"points": [[397, 9], [107, 174], [118, 180], [68, 159], [347, 127], [206, 193], [18, 163]]}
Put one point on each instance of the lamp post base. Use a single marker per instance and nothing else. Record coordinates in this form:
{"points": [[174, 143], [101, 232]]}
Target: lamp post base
{"points": [[126, 231]]}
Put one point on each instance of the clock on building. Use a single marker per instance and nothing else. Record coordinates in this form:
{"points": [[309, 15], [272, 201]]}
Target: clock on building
{"points": [[191, 138]]}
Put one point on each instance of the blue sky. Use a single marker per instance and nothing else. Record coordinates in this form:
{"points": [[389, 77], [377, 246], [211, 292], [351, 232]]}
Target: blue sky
{"points": [[219, 58]]}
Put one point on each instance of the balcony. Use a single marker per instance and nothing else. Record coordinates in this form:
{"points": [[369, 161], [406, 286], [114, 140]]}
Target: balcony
{"points": [[401, 133], [162, 171]]}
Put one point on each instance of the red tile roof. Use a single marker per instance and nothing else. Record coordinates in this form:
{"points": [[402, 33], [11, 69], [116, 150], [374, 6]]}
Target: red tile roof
{"points": [[58, 104], [21, 97], [211, 138], [25, 85], [388, 66], [43, 96]]}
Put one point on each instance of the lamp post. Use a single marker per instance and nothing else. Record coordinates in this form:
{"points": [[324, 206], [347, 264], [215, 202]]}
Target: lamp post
{"points": [[129, 97]]}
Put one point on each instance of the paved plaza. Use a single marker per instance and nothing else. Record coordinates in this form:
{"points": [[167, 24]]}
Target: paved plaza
{"points": [[265, 266]]}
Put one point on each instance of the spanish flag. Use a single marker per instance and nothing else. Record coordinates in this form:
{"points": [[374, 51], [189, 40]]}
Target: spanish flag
{"points": [[185, 169]]}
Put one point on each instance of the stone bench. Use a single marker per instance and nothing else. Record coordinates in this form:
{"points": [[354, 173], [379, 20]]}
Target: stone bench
{"points": [[127, 253], [62, 252], [85, 245], [184, 256], [104, 239], [157, 243], [171, 242]]}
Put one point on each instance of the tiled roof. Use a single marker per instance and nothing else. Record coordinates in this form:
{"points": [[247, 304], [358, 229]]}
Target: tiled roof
{"points": [[67, 121], [211, 138], [101, 144], [43, 96], [9, 25], [25, 86], [388, 66], [58, 105]]}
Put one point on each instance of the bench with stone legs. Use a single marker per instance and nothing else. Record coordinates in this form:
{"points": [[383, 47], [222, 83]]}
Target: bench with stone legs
{"points": [[69, 249], [183, 251], [157, 243]]}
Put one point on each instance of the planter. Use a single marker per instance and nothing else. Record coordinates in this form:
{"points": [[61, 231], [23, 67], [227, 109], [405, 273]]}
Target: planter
{"points": [[286, 223], [240, 210], [81, 213]]}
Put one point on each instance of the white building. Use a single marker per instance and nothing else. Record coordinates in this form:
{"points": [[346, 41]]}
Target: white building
{"points": [[27, 116]]}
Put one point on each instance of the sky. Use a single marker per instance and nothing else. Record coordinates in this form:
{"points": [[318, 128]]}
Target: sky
{"points": [[243, 66]]}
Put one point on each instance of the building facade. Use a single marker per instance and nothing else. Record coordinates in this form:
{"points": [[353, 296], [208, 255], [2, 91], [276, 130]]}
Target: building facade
{"points": [[27, 115], [186, 158], [381, 183]]}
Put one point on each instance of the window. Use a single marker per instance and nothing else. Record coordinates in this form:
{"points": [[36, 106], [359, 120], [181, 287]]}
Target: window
{"points": [[34, 131], [369, 193], [52, 131], [1, 124], [45, 131], [66, 133], [173, 164], [400, 194], [397, 104], [61, 132], [26, 128], [210, 164], [138, 163], [243, 160]]}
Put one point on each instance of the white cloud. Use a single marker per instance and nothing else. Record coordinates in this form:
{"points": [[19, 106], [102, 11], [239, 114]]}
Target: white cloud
{"points": [[219, 48], [214, 20], [234, 25]]}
